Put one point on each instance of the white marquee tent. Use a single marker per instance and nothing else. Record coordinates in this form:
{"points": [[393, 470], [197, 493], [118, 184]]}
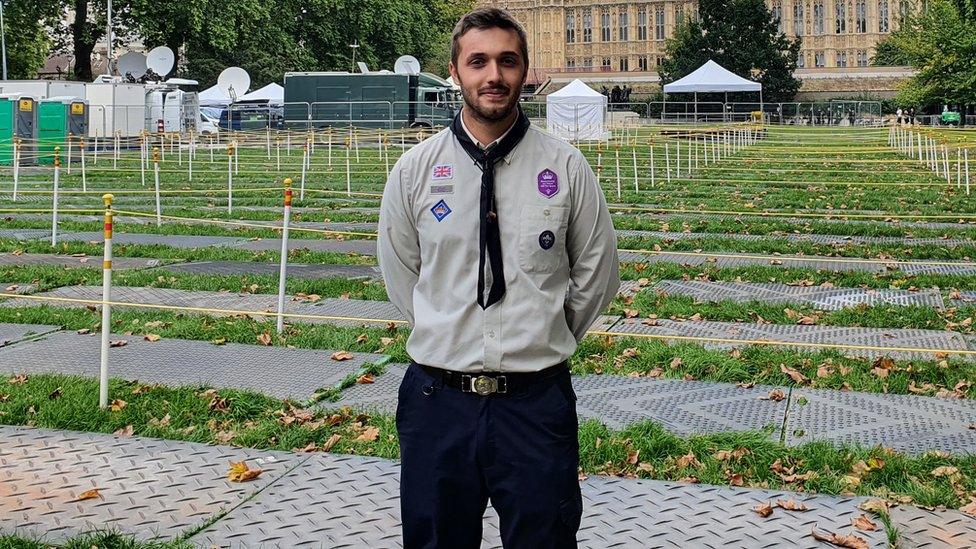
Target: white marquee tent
{"points": [[213, 97], [273, 92], [711, 78], [576, 112]]}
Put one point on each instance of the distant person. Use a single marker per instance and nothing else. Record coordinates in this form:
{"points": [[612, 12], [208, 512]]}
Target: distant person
{"points": [[911, 115], [898, 113]]}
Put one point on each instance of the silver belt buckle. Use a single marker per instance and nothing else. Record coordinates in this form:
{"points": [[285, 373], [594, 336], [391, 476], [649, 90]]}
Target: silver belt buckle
{"points": [[486, 385]]}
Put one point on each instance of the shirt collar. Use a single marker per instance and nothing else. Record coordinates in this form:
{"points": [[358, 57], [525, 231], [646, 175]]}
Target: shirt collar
{"points": [[508, 157]]}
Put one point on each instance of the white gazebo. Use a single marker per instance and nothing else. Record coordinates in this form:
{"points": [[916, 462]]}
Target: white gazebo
{"points": [[711, 78], [576, 112], [213, 97], [273, 93]]}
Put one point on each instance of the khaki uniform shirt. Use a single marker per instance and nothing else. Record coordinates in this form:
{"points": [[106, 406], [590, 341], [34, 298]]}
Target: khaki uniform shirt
{"points": [[559, 252]]}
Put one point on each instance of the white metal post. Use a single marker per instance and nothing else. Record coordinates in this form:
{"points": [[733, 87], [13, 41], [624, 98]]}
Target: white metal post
{"points": [[54, 208], [159, 207], [282, 270], [230, 176]]}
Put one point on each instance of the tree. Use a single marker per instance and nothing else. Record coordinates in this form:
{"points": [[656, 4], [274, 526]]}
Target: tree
{"points": [[28, 43], [743, 37], [940, 43]]}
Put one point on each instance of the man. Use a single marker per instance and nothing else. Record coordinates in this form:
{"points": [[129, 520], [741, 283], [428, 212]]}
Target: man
{"points": [[496, 243]]}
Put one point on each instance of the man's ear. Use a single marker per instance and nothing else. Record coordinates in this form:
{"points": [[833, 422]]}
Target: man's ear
{"points": [[454, 74]]}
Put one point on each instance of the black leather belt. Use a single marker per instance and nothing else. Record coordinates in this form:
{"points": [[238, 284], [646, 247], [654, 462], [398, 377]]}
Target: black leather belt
{"points": [[486, 383]]}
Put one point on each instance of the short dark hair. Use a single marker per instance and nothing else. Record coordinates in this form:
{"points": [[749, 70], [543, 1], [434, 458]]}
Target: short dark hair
{"points": [[489, 18]]}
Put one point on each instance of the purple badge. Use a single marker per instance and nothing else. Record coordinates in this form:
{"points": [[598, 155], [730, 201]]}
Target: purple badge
{"points": [[548, 183]]}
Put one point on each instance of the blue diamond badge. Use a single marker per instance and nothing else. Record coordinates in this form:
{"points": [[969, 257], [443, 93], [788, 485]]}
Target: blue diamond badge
{"points": [[440, 211]]}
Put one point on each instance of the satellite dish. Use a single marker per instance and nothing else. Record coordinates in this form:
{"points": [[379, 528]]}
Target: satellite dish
{"points": [[160, 60], [406, 64], [234, 81], [362, 67], [133, 63]]}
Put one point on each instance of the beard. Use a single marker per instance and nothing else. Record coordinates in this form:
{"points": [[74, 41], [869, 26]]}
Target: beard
{"points": [[492, 113]]}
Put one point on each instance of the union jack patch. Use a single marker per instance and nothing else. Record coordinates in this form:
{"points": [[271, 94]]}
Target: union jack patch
{"points": [[443, 171], [440, 211]]}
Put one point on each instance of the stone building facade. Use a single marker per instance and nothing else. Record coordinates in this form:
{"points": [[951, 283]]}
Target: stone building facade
{"points": [[591, 38]]}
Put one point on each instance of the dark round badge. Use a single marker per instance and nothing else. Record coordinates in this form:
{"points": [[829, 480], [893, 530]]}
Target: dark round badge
{"points": [[546, 239]]}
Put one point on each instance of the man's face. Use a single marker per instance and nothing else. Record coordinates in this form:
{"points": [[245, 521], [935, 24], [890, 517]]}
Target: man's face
{"points": [[490, 71]]}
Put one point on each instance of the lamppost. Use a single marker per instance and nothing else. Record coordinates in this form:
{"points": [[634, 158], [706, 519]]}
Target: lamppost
{"points": [[108, 34], [3, 41], [354, 46]]}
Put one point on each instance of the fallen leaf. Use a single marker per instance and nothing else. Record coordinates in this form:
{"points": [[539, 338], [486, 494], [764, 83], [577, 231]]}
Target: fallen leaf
{"points": [[240, 472], [264, 339], [160, 422], [362, 338], [862, 522], [775, 395], [969, 509], [55, 394], [795, 375], [88, 494], [632, 457], [365, 379], [331, 442], [688, 460], [369, 434], [631, 313], [18, 379], [944, 471], [850, 481], [875, 506], [763, 509], [117, 405], [676, 362], [219, 341], [840, 540], [124, 432], [341, 355], [791, 505], [151, 338], [118, 343], [84, 331], [734, 479]]}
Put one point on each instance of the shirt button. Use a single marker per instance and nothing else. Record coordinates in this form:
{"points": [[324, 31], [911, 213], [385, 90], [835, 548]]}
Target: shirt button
{"points": [[491, 334]]}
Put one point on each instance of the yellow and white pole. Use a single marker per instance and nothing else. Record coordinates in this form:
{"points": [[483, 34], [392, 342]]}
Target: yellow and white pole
{"points": [[386, 156], [305, 151], [965, 157], [143, 154], [278, 153], [348, 170], [71, 138], [106, 307], [159, 206], [54, 206], [667, 160], [282, 271], [18, 148], [84, 177], [617, 159], [230, 175], [650, 147]]}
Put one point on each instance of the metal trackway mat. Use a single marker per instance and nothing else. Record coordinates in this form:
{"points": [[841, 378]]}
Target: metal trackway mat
{"points": [[820, 297], [85, 262], [833, 240], [808, 336], [276, 371], [24, 234], [350, 501], [966, 299], [907, 423], [361, 247], [148, 487], [295, 270], [728, 260], [12, 333], [176, 241], [922, 529]]}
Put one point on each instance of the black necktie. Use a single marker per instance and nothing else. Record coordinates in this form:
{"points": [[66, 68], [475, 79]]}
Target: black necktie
{"points": [[490, 240]]}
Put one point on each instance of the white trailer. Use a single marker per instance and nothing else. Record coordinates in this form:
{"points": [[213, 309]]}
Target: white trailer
{"points": [[43, 89], [116, 107]]}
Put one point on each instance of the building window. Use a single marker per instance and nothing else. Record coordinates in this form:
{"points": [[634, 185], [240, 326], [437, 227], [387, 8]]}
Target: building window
{"points": [[778, 15], [659, 24], [659, 61], [884, 22], [642, 63], [801, 61], [570, 28], [570, 64], [624, 64], [587, 26], [841, 19], [861, 17], [903, 10], [605, 64], [587, 62], [679, 14], [798, 18], [818, 18], [605, 25], [623, 27], [842, 59], [819, 59], [642, 24]]}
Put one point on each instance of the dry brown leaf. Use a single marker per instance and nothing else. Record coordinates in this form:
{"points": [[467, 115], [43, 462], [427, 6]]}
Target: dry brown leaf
{"points": [[688, 460], [722, 455], [630, 352], [944, 471], [875, 506], [735, 479], [840, 540], [632, 457], [795, 375], [631, 313], [124, 432], [676, 362], [224, 437], [369, 434], [117, 405], [88, 494], [118, 343], [153, 422], [880, 372], [764, 509], [743, 385], [331, 442], [18, 379], [774, 395], [55, 394], [84, 331], [264, 339], [151, 338], [862, 522], [884, 362], [791, 505], [969, 509], [240, 472], [341, 355], [365, 379]]}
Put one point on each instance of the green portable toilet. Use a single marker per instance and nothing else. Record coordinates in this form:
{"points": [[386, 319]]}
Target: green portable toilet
{"points": [[57, 118], [18, 121]]}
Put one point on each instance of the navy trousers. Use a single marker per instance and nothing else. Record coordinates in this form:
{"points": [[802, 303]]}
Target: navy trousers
{"points": [[458, 450]]}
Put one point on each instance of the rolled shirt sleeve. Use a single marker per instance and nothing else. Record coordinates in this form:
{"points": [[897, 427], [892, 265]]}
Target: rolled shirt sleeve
{"points": [[398, 245], [592, 246]]}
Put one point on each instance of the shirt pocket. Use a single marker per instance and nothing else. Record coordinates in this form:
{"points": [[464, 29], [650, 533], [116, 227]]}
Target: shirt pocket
{"points": [[542, 238]]}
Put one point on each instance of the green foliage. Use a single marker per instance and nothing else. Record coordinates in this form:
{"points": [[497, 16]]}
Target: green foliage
{"points": [[740, 35], [28, 43], [940, 43]]}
